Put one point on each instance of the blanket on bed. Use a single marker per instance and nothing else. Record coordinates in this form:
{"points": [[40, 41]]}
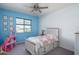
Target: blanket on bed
{"points": [[41, 41]]}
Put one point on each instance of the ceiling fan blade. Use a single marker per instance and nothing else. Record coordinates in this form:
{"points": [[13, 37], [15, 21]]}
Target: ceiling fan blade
{"points": [[43, 7]]}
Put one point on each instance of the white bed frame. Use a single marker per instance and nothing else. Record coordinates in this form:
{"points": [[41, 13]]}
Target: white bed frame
{"points": [[54, 31], [30, 46]]}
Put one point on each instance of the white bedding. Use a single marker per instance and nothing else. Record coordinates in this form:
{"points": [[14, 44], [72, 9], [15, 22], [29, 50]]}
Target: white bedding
{"points": [[36, 41], [39, 47]]}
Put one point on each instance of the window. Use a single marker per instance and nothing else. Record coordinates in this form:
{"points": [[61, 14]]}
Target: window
{"points": [[23, 25]]}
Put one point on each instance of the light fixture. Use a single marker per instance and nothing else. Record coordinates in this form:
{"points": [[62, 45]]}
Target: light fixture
{"points": [[36, 12]]}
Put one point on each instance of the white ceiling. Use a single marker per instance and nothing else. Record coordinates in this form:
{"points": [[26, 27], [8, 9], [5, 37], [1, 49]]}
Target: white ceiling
{"points": [[24, 7]]}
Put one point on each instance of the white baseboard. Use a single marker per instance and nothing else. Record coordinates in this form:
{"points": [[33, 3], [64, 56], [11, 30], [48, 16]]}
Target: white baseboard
{"points": [[66, 48]]}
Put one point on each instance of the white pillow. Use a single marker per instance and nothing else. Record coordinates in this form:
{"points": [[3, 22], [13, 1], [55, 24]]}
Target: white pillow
{"points": [[50, 36]]}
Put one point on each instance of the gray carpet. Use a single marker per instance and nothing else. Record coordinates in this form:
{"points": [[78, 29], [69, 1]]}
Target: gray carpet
{"points": [[19, 50], [60, 51]]}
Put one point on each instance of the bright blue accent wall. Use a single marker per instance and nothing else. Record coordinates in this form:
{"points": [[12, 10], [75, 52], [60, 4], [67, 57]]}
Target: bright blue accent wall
{"points": [[19, 36]]}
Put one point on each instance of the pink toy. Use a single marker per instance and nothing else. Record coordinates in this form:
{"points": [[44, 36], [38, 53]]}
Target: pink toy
{"points": [[9, 43]]}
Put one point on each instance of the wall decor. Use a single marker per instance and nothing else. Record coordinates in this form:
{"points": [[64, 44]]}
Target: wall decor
{"points": [[5, 23], [11, 23]]}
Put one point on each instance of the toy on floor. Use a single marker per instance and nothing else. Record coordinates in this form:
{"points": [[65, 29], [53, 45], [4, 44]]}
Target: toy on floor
{"points": [[8, 44]]}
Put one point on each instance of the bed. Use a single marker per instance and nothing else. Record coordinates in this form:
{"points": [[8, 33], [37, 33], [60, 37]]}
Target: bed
{"points": [[40, 45]]}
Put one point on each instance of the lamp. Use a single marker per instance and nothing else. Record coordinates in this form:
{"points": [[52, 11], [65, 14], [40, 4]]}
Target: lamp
{"points": [[43, 32]]}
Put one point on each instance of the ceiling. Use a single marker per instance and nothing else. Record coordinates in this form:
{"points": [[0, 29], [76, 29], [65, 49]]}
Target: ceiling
{"points": [[24, 7]]}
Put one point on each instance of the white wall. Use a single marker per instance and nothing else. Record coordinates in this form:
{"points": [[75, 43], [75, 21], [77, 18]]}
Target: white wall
{"points": [[67, 20]]}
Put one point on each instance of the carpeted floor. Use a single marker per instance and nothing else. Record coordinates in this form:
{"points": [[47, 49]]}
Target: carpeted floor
{"points": [[19, 50]]}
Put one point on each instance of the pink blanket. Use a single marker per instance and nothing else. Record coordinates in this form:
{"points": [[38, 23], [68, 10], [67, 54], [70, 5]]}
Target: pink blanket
{"points": [[45, 40]]}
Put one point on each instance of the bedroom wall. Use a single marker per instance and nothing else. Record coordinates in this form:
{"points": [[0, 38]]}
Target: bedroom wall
{"points": [[67, 20], [20, 36], [0, 21]]}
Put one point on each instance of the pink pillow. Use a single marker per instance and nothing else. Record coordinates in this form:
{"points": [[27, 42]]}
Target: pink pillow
{"points": [[44, 39], [52, 37]]}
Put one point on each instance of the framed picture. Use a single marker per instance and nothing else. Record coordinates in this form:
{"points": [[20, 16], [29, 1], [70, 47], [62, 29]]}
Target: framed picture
{"points": [[5, 17], [11, 22], [5, 23]]}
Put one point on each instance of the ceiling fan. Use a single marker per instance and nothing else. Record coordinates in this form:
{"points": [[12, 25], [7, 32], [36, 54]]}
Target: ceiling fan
{"points": [[36, 8]]}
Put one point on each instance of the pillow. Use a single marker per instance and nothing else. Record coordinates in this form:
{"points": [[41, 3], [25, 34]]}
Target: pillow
{"points": [[44, 38], [50, 36]]}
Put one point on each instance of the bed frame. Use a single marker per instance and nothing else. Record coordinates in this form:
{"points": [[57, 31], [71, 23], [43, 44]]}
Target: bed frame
{"points": [[54, 31], [30, 46]]}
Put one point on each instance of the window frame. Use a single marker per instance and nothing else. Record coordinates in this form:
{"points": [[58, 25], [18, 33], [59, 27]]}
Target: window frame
{"points": [[24, 25]]}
